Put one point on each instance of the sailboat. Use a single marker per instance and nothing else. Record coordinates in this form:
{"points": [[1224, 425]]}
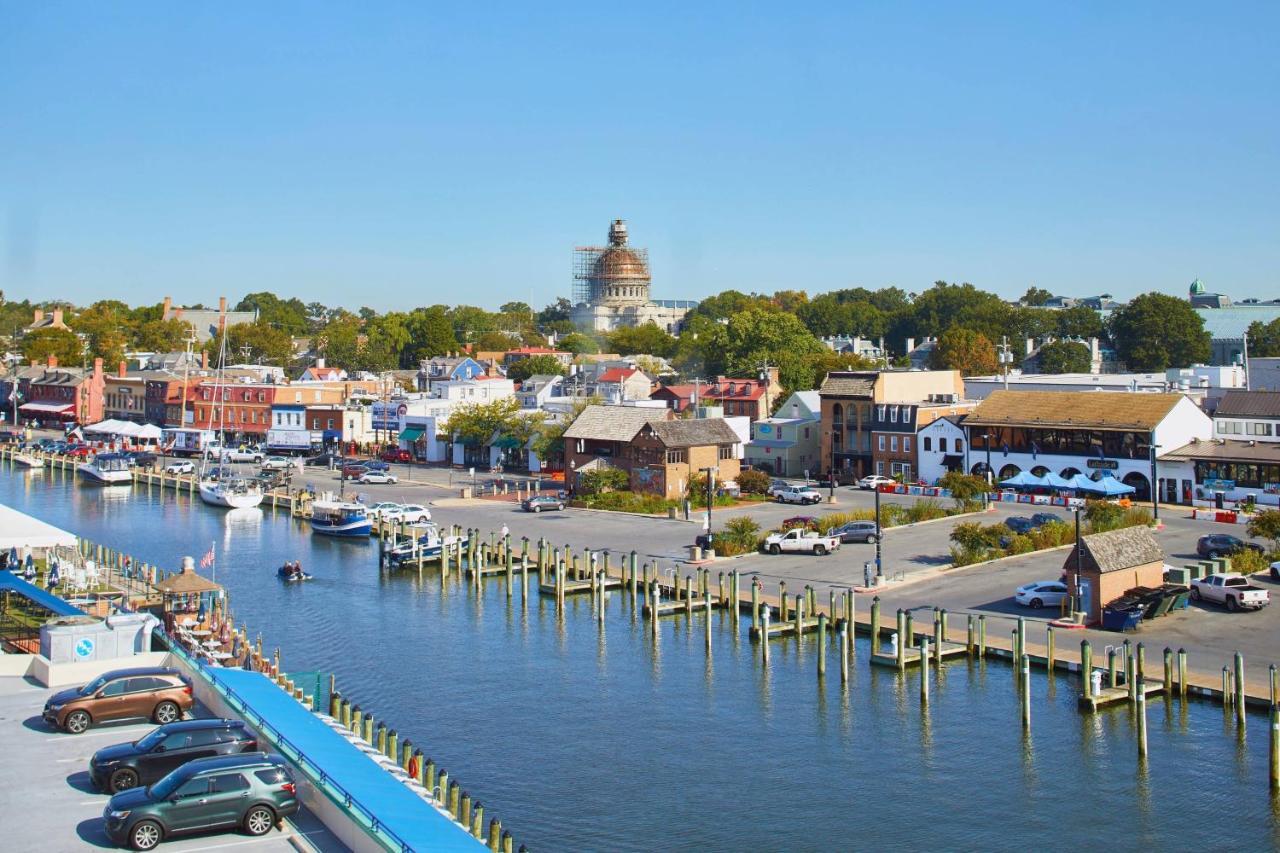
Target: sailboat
{"points": [[225, 489]]}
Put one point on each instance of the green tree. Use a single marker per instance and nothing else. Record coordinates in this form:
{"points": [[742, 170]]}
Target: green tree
{"points": [[103, 327], [1265, 524], [970, 352], [1036, 296], [1064, 357], [62, 344], [548, 444], [520, 309], [647, 339], [1156, 331], [967, 490], [496, 342], [578, 344], [430, 334], [1264, 338], [730, 302], [476, 423], [161, 335], [946, 305], [288, 315], [754, 337], [535, 365], [1079, 321], [339, 342], [386, 338], [557, 317], [753, 482]]}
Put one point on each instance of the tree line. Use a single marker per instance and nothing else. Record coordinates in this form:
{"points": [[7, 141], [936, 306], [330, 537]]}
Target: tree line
{"points": [[731, 333]]}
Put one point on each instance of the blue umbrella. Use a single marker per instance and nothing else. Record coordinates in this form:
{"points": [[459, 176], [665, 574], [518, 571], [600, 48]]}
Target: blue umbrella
{"points": [[53, 576], [200, 613]]}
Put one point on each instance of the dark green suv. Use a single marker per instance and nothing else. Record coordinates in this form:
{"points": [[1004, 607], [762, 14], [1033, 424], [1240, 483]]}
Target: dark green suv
{"points": [[252, 791]]}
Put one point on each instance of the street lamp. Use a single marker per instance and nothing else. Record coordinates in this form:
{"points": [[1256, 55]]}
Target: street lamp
{"points": [[710, 473], [879, 563], [986, 439], [1155, 492], [1079, 555]]}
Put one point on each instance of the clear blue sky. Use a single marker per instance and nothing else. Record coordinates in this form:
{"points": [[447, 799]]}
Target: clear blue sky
{"points": [[399, 155]]}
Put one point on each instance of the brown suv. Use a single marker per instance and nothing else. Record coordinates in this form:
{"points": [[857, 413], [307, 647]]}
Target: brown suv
{"points": [[154, 693]]}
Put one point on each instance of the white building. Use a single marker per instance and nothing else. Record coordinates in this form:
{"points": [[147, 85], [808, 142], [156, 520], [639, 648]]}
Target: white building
{"points": [[612, 288], [477, 389], [940, 447], [1202, 382], [1089, 432]]}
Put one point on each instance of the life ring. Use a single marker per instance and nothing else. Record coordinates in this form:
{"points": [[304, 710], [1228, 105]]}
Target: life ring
{"points": [[413, 766]]}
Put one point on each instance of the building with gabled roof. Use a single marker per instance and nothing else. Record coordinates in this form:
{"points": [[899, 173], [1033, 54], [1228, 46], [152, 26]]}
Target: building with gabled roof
{"points": [[1111, 564]]}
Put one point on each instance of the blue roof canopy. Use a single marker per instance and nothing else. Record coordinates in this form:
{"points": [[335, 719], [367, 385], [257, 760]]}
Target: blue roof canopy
{"points": [[35, 594]]}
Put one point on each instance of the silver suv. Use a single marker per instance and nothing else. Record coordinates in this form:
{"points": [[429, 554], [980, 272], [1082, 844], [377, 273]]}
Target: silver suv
{"points": [[855, 531]]}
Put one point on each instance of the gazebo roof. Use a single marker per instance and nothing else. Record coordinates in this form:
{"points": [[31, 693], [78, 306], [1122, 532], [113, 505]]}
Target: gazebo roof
{"points": [[187, 581]]}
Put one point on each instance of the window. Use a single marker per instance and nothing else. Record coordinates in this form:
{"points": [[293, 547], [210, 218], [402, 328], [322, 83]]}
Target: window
{"points": [[675, 457], [1258, 428], [227, 783], [928, 443], [893, 414], [330, 424], [806, 432], [262, 396], [906, 444], [959, 445], [880, 442], [880, 413], [880, 468], [181, 740], [893, 443], [274, 776], [193, 788], [726, 451], [1229, 427]]}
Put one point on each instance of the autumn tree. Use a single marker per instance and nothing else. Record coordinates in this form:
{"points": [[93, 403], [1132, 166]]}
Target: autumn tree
{"points": [[970, 352], [62, 344]]}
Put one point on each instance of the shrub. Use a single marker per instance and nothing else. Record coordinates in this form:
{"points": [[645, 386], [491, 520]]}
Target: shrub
{"points": [[926, 509], [1103, 516], [1019, 544], [740, 536], [648, 504], [973, 537], [603, 480], [1052, 535], [968, 490], [1249, 562], [753, 482], [965, 557]]}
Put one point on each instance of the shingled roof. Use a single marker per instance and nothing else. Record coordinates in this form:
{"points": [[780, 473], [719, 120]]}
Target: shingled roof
{"points": [[694, 433], [613, 423], [848, 384], [1249, 404], [1097, 409], [1117, 550]]}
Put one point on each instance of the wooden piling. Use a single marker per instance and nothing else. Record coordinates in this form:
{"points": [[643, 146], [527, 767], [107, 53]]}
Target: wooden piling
{"points": [[844, 653], [464, 811], [982, 636], [1112, 679], [706, 600], [822, 645], [875, 625], [1086, 668], [924, 670], [1168, 671], [1182, 673], [1024, 666], [909, 638], [764, 636], [1239, 694], [755, 604], [798, 616], [1142, 718], [901, 640], [782, 601], [937, 639], [1226, 687], [495, 835], [477, 822], [1275, 747]]}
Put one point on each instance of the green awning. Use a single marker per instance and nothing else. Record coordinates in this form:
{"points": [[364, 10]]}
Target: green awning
{"points": [[410, 434]]}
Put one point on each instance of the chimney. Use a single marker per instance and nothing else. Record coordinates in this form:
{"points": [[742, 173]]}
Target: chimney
{"points": [[168, 303], [57, 316], [97, 371], [123, 369], [222, 304], [204, 359], [37, 316], [320, 363], [51, 360]]}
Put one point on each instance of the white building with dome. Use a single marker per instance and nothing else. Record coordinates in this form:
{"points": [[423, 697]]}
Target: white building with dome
{"points": [[611, 288]]}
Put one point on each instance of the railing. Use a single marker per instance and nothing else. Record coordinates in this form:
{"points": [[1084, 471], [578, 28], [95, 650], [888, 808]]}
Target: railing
{"points": [[287, 747]]}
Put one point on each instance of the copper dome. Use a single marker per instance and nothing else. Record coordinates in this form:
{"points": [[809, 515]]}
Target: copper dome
{"points": [[619, 263]]}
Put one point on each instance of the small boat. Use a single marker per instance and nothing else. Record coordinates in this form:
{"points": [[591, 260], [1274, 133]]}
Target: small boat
{"points": [[428, 546], [334, 517], [291, 577], [27, 460], [106, 469]]}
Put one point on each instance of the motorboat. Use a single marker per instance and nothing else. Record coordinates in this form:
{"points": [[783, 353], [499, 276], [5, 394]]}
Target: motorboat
{"points": [[27, 460], [427, 546], [335, 517], [231, 493], [107, 469]]}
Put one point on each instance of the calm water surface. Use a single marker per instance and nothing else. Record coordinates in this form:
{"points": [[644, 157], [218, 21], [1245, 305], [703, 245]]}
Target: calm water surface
{"points": [[582, 738]]}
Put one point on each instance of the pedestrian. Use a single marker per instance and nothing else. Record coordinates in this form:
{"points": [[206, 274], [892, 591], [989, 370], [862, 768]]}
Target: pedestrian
{"points": [[505, 533]]}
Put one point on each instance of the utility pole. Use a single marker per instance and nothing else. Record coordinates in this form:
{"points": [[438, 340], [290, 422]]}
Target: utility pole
{"points": [[1245, 336], [1005, 357], [764, 383], [711, 478], [186, 373]]}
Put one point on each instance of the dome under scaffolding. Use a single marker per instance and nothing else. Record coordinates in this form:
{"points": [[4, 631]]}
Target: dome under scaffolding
{"points": [[616, 274]]}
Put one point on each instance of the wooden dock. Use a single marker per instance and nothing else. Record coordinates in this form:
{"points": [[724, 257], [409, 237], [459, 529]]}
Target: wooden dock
{"points": [[577, 587], [911, 655], [677, 608], [1116, 695]]}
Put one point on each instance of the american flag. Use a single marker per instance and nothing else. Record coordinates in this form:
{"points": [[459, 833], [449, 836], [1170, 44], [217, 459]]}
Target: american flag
{"points": [[207, 560]]}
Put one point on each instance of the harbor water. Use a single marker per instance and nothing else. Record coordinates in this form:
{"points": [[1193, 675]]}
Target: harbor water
{"points": [[582, 736]]}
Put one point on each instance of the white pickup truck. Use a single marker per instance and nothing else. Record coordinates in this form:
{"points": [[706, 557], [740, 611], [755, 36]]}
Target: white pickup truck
{"points": [[799, 539], [243, 454], [798, 495], [1231, 589]]}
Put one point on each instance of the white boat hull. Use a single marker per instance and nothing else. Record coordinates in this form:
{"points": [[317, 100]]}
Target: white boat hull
{"points": [[99, 477], [213, 495], [23, 461]]}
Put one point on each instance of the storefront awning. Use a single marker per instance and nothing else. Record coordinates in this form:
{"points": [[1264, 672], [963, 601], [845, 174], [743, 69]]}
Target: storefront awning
{"points": [[410, 434], [952, 461], [51, 408]]}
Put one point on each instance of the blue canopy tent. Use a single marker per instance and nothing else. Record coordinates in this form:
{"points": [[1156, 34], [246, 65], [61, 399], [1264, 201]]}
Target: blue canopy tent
{"points": [[1111, 487], [1024, 480], [1053, 481]]}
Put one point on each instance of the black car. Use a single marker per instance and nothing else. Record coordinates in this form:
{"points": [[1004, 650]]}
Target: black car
{"points": [[1020, 524], [1042, 518], [128, 765], [324, 460], [1224, 545], [141, 458]]}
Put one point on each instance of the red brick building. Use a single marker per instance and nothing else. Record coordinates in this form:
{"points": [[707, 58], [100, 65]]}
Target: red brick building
{"points": [[247, 407], [64, 395]]}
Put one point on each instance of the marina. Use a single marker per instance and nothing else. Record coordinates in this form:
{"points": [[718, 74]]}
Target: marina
{"points": [[424, 651]]}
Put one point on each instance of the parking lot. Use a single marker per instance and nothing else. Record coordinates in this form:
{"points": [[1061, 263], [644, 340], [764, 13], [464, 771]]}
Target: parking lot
{"points": [[49, 803]]}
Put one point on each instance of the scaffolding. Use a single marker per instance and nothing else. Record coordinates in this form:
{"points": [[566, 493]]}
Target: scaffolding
{"points": [[617, 274]]}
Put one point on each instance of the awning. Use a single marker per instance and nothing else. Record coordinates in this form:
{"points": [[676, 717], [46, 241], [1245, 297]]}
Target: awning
{"points": [[57, 408], [952, 461], [36, 595], [17, 529], [411, 434]]}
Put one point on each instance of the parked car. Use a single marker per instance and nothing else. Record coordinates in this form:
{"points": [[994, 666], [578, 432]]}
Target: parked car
{"points": [[376, 465], [181, 467], [323, 460], [798, 495], [410, 514], [1019, 524], [855, 531], [141, 458], [385, 508], [875, 481], [801, 540], [153, 756], [1275, 571], [776, 486], [538, 503], [1038, 594], [396, 455], [1231, 589], [252, 791], [243, 454], [276, 463], [1042, 518], [354, 471], [77, 451], [377, 477], [1224, 545], [153, 693]]}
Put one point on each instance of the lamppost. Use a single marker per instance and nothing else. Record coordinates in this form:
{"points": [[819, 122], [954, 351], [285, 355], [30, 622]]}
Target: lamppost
{"points": [[879, 563], [1079, 555], [1155, 491], [710, 474], [986, 439]]}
